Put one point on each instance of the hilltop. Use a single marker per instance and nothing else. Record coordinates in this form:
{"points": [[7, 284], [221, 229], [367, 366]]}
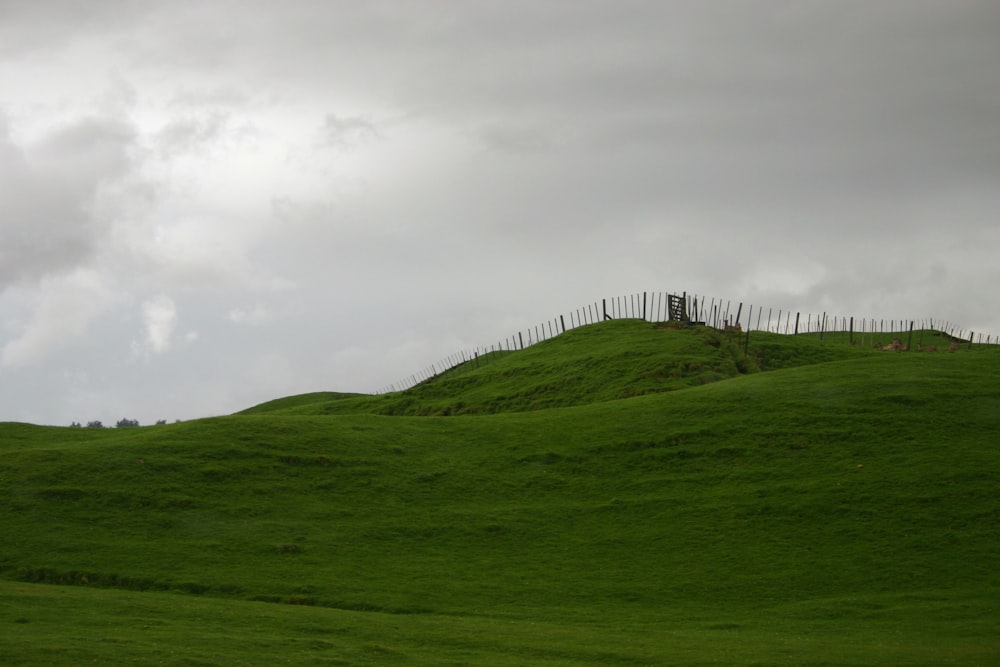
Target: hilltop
{"points": [[607, 361], [622, 493]]}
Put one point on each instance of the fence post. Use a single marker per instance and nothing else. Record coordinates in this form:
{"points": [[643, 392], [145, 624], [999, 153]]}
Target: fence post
{"points": [[746, 342], [851, 337], [604, 307], [971, 335], [563, 322], [521, 339], [909, 339], [797, 323]]}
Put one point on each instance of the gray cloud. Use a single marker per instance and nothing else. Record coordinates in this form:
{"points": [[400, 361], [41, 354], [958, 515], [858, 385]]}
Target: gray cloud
{"points": [[223, 96], [49, 191], [34, 27], [348, 132], [190, 133]]}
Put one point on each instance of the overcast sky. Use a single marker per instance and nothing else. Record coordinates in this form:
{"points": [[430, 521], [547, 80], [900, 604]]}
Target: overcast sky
{"points": [[205, 205]]}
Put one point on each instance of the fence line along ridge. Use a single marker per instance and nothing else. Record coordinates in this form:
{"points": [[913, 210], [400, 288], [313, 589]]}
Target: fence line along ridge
{"points": [[725, 315]]}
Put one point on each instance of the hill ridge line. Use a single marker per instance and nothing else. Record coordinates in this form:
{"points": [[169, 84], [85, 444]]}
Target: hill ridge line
{"points": [[653, 307]]}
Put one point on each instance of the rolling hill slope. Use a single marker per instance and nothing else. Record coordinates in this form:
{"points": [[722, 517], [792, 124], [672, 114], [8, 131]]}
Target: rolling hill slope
{"points": [[601, 362], [623, 495]]}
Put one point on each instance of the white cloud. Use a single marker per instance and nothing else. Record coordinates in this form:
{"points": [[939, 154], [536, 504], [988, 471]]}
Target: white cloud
{"points": [[62, 308], [159, 317], [256, 316]]}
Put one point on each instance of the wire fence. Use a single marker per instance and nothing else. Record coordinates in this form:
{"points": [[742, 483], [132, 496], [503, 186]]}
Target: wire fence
{"points": [[723, 314]]}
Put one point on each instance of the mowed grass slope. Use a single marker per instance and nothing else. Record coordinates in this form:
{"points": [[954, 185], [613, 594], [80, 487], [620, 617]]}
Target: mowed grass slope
{"points": [[842, 512]]}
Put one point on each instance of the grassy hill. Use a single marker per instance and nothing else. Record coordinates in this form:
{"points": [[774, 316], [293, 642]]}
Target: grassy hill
{"points": [[620, 494], [612, 360]]}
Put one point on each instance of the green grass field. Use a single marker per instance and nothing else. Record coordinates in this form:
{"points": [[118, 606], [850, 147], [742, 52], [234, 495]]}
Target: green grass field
{"points": [[620, 494]]}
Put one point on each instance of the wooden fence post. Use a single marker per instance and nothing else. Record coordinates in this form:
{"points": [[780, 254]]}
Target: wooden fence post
{"points": [[604, 305], [851, 337], [563, 322], [746, 341], [797, 323], [909, 339]]}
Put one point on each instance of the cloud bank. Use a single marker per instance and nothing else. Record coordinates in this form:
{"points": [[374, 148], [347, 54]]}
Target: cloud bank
{"points": [[209, 205]]}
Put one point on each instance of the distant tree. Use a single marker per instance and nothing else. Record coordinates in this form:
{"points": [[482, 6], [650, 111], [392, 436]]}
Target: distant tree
{"points": [[127, 423], [75, 425], [160, 422], [95, 424]]}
